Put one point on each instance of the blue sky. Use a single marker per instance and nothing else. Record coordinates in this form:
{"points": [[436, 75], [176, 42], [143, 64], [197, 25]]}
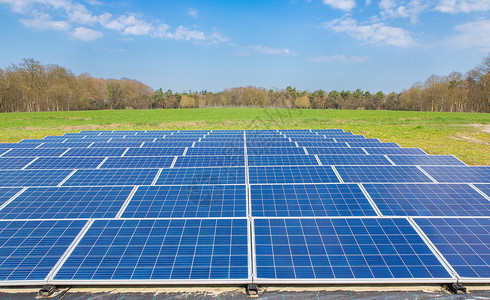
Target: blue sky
{"points": [[374, 45]]}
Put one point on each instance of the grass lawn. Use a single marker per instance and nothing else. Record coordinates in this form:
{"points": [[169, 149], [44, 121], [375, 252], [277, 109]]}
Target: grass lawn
{"points": [[465, 135]]}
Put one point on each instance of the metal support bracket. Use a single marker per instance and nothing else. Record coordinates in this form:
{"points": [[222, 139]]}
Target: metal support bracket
{"points": [[252, 289], [455, 287]]}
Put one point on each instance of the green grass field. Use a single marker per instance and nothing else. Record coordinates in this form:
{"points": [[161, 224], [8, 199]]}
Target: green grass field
{"points": [[465, 135]]}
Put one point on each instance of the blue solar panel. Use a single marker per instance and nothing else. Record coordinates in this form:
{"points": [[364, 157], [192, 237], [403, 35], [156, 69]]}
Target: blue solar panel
{"points": [[154, 151], [167, 144], [267, 144], [204, 144], [30, 249], [66, 203], [282, 160], [66, 163], [20, 145], [328, 249], [116, 145], [14, 163], [35, 152], [292, 174], [214, 151], [209, 161], [353, 160], [356, 139], [109, 177], [7, 193], [322, 144], [395, 151], [66, 145], [138, 162], [464, 243], [188, 249], [188, 201], [343, 151], [442, 160], [275, 151], [309, 200], [374, 145], [95, 152], [388, 174], [473, 174], [485, 188], [428, 200], [32, 177], [200, 176]]}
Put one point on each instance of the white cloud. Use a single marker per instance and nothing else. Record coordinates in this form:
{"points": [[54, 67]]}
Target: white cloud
{"points": [[466, 6], [339, 58], [402, 9], [43, 22], [471, 35], [271, 51], [346, 5], [192, 12], [182, 33], [377, 33], [86, 34], [135, 26]]}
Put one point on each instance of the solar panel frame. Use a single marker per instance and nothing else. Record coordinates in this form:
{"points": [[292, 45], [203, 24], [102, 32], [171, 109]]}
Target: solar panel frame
{"points": [[485, 188], [214, 151], [112, 177], [137, 162], [209, 161], [421, 160], [52, 163], [333, 151], [275, 151], [381, 174], [374, 145], [26, 178], [146, 151], [354, 160], [94, 152], [395, 151], [291, 174], [45, 152], [202, 176], [14, 163], [461, 174], [7, 193], [282, 160]]}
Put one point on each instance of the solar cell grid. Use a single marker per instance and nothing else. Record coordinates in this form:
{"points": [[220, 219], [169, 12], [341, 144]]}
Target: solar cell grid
{"points": [[209, 161], [115, 145], [322, 144], [154, 151], [218, 144], [188, 201], [464, 243], [485, 188], [428, 200], [468, 174], [7, 163], [374, 145], [66, 163], [395, 151], [214, 151], [138, 162], [112, 177], [162, 250], [353, 160], [35, 152], [282, 160], [385, 174], [309, 200], [65, 145], [29, 249], [27, 178], [202, 176], [335, 249], [7, 193], [263, 144], [66, 203], [95, 152], [275, 151], [343, 151], [19, 145], [292, 174], [443, 160]]}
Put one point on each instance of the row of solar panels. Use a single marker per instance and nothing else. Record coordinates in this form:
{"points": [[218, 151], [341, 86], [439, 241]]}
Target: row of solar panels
{"points": [[220, 161], [217, 201], [256, 175], [310, 250]]}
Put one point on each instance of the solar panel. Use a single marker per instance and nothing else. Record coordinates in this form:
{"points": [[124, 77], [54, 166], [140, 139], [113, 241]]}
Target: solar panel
{"points": [[339, 249], [386, 174], [282, 160], [66, 203], [20, 145], [214, 151], [115, 145], [7, 193], [353, 160], [66, 163], [322, 144], [309, 200], [35, 152], [267, 144], [201, 176], [154, 151], [160, 250], [111, 177], [209, 161], [343, 151], [473, 174], [14, 163], [218, 144], [188, 201], [275, 151], [374, 145], [485, 188], [32, 177], [292, 174], [138, 162], [464, 243], [168, 144], [428, 200], [395, 151], [30, 249], [66, 145], [95, 152], [356, 139], [442, 160]]}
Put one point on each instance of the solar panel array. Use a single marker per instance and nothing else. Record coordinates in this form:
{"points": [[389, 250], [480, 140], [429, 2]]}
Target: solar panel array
{"points": [[238, 206]]}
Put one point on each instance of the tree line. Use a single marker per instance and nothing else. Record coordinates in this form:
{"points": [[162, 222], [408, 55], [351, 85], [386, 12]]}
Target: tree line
{"points": [[32, 86]]}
